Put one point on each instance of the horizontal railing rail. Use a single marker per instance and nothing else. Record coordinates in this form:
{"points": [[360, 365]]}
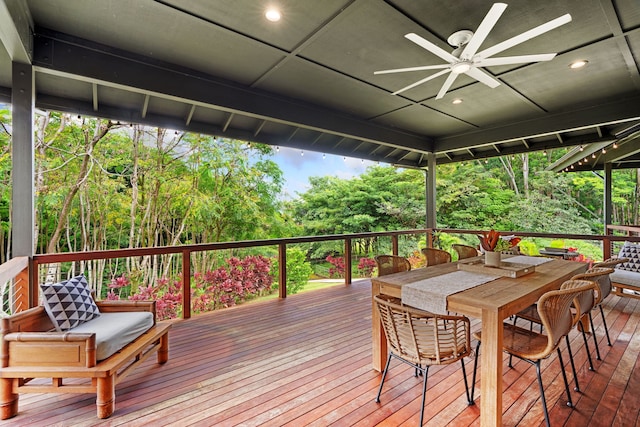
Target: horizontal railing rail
{"points": [[27, 273], [187, 250]]}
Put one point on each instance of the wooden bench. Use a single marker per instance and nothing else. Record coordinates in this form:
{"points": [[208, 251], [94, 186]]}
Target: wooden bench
{"points": [[31, 349], [624, 279]]}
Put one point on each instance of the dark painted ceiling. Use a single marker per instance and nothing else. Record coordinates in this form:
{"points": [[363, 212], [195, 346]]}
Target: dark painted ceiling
{"points": [[219, 67]]}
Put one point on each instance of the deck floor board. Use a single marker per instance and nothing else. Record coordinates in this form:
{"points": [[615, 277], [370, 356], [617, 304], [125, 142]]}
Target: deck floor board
{"points": [[306, 361]]}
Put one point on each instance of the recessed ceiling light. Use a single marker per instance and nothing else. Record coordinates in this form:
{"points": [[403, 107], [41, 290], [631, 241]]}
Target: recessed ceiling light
{"points": [[457, 101], [578, 64], [272, 15]]}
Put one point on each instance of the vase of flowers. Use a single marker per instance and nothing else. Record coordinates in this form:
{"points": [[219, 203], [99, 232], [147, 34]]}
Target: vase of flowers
{"points": [[492, 244]]}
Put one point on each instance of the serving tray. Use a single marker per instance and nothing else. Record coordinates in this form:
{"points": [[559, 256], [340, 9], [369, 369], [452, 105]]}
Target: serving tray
{"points": [[508, 269]]}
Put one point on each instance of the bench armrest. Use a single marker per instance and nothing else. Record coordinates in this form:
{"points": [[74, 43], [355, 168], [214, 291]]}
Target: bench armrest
{"points": [[63, 349]]}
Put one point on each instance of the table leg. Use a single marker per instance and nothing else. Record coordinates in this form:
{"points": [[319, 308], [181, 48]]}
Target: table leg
{"points": [[378, 338], [491, 370]]}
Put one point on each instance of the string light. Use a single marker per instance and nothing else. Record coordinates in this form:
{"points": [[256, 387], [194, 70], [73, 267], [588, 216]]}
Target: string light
{"points": [[615, 145], [324, 156], [278, 148], [593, 155], [301, 152], [604, 151], [581, 148]]}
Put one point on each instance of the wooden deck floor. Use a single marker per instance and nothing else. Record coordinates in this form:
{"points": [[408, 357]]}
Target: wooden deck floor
{"points": [[306, 360]]}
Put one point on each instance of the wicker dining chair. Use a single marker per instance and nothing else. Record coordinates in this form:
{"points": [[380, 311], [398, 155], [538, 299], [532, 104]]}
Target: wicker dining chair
{"points": [[436, 256], [465, 251], [605, 287], [388, 264], [587, 303], [600, 275], [422, 339], [554, 309]]}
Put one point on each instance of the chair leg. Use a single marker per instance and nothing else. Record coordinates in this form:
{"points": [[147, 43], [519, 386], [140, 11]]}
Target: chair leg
{"points": [[564, 377], [595, 339], [424, 393], [466, 384], [606, 329], [573, 365], [586, 346], [544, 400], [475, 369], [384, 375]]}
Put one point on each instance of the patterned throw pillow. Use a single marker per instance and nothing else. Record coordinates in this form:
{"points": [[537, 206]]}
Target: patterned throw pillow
{"points": [[69, 303], [631, 251]]}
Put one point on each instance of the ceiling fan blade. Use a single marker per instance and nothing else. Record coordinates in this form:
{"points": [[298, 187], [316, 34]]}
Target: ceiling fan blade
{"points": [[483, 77], [426, 44], [534, 32], [521, 59], [419, 82], [447, 84], [421, 68], [483, 30]]}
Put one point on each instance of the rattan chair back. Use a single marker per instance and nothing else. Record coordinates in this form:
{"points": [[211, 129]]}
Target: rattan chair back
{"points": [[436, 256], [554, 309], [465, 251], [586, 300], [421, 337], [389, 264], [599, 275], [611, 262]]}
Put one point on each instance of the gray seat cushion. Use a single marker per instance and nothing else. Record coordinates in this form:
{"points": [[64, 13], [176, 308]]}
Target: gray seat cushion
{"points": [[116, 330], [625, 277]]}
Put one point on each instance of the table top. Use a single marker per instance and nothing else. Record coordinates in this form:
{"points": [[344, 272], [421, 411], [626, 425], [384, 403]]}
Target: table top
{"points": [[504, 295]]}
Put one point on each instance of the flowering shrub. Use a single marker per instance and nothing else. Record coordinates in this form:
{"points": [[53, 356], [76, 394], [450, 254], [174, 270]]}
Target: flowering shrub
{"points": [[167, 295], [224, 287], [366, 266], [338, 266], [416, 259]]}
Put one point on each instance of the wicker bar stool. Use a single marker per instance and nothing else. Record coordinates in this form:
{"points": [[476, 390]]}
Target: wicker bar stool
{"points": [[422, 339], [465, 251], [389, 264], [436, 256], [556, 316]]}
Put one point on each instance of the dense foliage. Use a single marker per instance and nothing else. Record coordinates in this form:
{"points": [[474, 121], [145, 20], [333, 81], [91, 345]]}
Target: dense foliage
{"points": [[105, 185]]}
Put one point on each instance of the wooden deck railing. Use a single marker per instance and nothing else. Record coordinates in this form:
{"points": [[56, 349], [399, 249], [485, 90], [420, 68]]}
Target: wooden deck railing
{"points": [[24, 274]]}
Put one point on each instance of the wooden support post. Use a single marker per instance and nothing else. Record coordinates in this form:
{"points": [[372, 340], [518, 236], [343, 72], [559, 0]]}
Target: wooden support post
{"points": [[394, 244]]}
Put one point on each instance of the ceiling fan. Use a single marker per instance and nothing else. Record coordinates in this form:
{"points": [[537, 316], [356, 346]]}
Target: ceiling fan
{"points": [[466, 59]]}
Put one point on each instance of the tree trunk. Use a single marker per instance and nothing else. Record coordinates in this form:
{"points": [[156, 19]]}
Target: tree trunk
{"points": [[90, 143]]}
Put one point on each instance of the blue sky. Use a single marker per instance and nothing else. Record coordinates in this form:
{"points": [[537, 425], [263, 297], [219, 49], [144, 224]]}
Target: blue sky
{"points": [[298, 168]]}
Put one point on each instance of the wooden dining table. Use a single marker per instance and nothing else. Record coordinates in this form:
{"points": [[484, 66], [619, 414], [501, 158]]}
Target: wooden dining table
{"points": [[492, 302]]}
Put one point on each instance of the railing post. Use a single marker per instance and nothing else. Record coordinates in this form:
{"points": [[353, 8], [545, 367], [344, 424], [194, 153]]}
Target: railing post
{"points": [[347, 261], [282, 270], [606, 248], [186, 284], [394, 244], [31, 287], [430, 238]]}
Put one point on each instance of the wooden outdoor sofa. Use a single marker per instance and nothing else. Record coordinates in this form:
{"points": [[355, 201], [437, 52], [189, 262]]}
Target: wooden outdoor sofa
{"points": [[31, 349], [626, 275]]}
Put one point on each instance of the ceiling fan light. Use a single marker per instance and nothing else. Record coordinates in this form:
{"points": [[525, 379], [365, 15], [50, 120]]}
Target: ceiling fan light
{"points": [[272, 15], [457, 101], [578, 64], [461, 67]]}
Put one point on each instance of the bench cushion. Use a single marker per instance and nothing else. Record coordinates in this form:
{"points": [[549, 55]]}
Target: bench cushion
{"points": [[625, 277], [116, 330]]}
